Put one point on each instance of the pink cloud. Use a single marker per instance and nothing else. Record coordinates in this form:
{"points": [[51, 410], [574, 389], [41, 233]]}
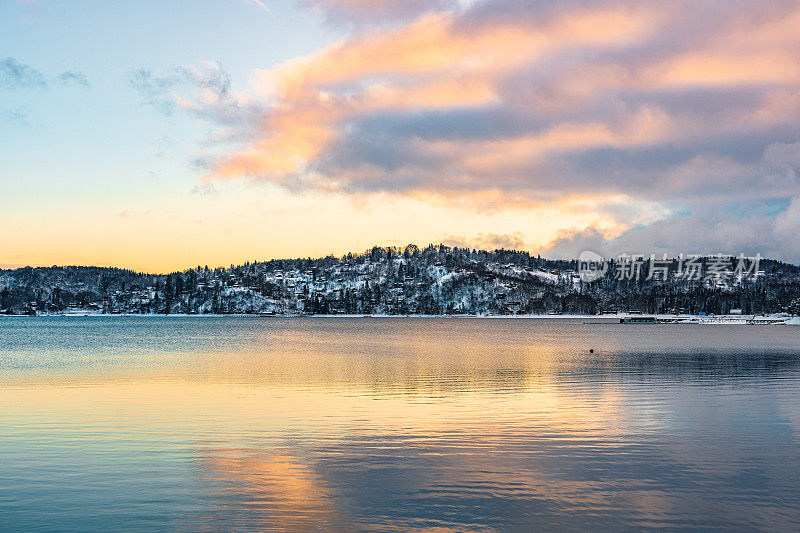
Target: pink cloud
{"points": [[528, 101]]}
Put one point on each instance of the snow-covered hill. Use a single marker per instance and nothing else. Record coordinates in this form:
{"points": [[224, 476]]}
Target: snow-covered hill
{"points": [[410, 280]]}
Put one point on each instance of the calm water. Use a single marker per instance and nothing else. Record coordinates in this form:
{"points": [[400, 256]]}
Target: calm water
{"points": [[396, 424]]}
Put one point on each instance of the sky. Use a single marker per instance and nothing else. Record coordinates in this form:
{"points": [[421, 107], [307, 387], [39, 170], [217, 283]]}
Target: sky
{"points": [[161, 135]]}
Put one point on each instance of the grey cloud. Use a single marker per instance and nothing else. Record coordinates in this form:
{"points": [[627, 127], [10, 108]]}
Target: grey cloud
{"points": [[787, 227], [734, 165], [155, 90], [15, 75], [77, 78], [222, 109], [570, 243], [212, 77], [363, 12], [709, 230], [379, 151], [745, 166], [487, 241], [204, 189], [463, 124], [201, 164]]}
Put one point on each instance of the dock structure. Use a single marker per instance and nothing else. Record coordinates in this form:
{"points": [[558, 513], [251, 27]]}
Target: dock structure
{"points": [[638, 319], [777, 319]]}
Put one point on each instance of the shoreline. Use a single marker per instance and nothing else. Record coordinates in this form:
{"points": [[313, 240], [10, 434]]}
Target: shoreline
{"points": [[774, 319]]}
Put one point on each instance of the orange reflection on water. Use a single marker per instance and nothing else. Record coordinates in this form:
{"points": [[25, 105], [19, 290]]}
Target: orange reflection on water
{"points": [[277, 489]]}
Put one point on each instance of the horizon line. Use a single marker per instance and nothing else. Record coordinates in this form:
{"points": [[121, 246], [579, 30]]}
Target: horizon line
{"points": [[10, 267]]}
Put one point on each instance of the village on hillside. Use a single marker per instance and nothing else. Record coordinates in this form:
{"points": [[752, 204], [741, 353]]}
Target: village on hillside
{"points": [[435, 280]]}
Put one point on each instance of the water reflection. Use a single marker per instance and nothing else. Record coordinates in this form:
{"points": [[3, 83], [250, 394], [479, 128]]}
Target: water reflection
{"points": [[445, 425], [263, 489]]}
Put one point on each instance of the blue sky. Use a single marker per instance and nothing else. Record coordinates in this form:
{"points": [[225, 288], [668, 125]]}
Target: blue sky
{"points": [[77, 139]]}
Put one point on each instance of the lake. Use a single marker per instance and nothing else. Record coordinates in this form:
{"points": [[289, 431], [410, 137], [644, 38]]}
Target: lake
{"points": [[396, 424]]}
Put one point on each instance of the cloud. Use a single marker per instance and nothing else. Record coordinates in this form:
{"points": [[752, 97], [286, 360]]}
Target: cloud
{"points": [[203, 91], [16, 75], [77, 78], [154, 90], [567, 99], [785, 228], [680, 105], [204, 189], [362, 12], [715, 229], [490, 241], [570, 243]]}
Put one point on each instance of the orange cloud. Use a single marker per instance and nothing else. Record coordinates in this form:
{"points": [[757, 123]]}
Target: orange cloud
{"points": [[441, 65], [503, 105]]}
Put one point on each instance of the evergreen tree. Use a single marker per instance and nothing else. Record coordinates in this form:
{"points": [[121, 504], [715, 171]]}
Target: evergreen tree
{"points": [[168, 295]]}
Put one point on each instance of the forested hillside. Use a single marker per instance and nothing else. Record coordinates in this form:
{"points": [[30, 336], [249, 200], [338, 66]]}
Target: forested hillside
{"points": [[410, 280]]}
